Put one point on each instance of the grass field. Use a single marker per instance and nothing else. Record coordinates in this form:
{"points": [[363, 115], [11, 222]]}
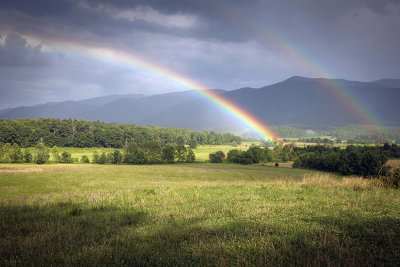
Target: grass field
{"points": [[202, 152], [193, 214]]}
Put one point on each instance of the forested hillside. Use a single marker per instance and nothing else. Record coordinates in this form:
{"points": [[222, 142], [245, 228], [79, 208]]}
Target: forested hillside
{"points": [[80, 133], [305, 102]]}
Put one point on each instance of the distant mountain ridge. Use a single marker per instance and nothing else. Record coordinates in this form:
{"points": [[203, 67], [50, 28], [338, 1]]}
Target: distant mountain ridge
{"points": [[297, 101]]}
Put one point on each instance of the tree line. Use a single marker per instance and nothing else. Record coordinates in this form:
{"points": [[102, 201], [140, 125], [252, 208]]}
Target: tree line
{"points": [[366, 161], [149, 152], [80, 133]]}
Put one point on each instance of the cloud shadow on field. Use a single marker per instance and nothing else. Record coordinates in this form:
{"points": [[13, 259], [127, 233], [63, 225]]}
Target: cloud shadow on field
{"points": [[71, 234]]}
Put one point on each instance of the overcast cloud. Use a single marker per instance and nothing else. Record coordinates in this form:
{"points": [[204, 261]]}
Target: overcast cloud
{"points": [[221, 44]]}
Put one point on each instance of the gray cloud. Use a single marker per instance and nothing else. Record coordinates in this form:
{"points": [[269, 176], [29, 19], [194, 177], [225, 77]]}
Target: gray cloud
{"points": [[16, 52], [222, 44]]}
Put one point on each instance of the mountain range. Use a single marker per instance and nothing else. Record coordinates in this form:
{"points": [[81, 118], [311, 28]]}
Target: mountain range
{"points": [[307, 102]]}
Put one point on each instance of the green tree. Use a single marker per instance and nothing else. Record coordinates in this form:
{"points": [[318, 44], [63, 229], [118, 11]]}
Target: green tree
{"points": [[152, 151], [96, 157], [27, 156], [110, 157], [168, 153], [191, 157], [16, 155], [181, 153], [56, 154], [134, 154], [193, 142], [5, 150], [103, 158], [256, 154], [117, 157], [371, 163], [180, 141], [41, 154]]}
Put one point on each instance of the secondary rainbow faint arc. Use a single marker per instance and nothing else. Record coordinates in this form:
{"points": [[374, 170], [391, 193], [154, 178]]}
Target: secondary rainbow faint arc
{"points": [[297, 55], [133, 61]]}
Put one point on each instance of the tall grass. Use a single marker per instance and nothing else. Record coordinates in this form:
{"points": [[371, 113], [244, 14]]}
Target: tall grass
{"points": [[194, 214]]}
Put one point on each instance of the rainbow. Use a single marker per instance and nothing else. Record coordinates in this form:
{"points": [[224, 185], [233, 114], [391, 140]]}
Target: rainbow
{"points": [[299, 57], [133, 61]]}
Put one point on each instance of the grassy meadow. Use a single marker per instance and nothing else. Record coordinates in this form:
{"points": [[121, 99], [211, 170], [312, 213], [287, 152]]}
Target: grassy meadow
{"points": [[193, 214]]}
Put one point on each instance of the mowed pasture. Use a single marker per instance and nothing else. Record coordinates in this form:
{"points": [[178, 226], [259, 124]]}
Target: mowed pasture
{"points": [[193, 214]]}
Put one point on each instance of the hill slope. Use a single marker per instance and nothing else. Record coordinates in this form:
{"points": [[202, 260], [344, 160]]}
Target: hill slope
{"points": [[296, 101]]}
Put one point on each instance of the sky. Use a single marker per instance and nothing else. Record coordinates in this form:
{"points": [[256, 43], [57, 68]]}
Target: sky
{"points": [[220, 44]]}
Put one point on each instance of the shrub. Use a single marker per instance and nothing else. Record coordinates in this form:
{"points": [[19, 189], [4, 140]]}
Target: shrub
{"points": [[66, 157], [85, 159], [217, 157], [233, 155], [392, 178]]}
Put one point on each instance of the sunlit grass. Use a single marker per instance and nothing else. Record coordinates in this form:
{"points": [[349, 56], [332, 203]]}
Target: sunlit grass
{"points": [[193, 214]]}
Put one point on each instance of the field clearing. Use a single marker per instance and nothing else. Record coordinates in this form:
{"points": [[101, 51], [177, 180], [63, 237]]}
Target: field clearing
{"points": [[393, 163], [201, 151], [193, 214]]}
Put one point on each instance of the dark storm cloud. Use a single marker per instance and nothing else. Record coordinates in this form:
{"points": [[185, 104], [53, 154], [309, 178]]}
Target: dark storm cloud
{"points": [[223, 44], [17, 53]]}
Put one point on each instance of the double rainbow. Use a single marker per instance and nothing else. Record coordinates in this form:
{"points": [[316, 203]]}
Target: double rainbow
{"points": [[266, 34]]}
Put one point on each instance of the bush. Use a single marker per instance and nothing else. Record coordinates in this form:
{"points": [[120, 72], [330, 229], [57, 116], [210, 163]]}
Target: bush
{"points": [[233, 155], [217, 157], [85, 159], [102, 158], [66, 157], [392, 178]]}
